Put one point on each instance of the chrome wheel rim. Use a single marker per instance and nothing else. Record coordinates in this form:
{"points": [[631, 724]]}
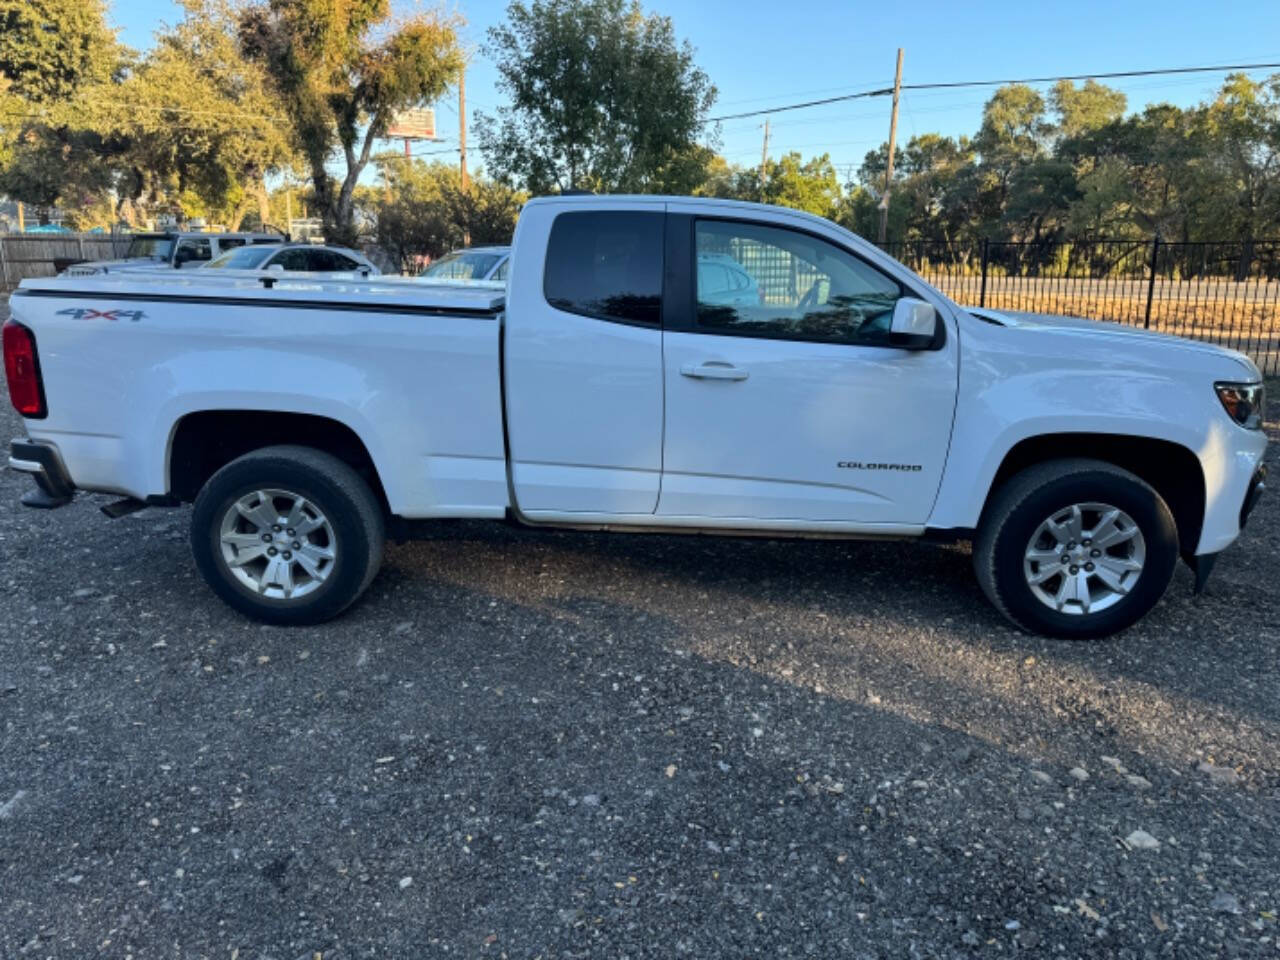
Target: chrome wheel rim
{"points": [[1084, 558], [277, 544]]}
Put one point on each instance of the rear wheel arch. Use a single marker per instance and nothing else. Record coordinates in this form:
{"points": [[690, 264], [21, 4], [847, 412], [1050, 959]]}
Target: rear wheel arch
{"points": [[204, 441], [1172, 470]]}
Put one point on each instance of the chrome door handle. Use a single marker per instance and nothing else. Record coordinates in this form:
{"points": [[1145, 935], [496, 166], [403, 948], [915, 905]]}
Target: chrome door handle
{"points": [[713, 370]]}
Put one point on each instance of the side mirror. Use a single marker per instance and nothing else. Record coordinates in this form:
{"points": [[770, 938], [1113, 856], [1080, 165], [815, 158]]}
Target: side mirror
{"points": [[276, 267], [914, 325]]}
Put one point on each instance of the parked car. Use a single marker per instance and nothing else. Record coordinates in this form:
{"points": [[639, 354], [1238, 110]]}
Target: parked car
{"points": [[296, 257], [604, 389], [149, 251], [724, 281], [473, 263]]}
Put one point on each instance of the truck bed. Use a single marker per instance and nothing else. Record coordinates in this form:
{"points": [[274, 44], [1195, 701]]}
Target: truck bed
{"points": [[411, 369]]}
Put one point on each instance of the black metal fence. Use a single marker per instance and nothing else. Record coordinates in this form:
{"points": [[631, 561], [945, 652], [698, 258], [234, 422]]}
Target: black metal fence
{"points": [[1226, 293]]}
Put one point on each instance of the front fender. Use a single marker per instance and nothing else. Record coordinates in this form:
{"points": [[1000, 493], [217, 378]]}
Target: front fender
{"points": [[1014, 388]]}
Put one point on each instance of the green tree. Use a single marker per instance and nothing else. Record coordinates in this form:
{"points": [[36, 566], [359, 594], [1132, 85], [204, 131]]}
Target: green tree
{"points": [[342, 71], [809, 185], [1083, 109], [602, 98], [56, 58], [422, 211], [201, 128], [49, 49], [1238, 181]]}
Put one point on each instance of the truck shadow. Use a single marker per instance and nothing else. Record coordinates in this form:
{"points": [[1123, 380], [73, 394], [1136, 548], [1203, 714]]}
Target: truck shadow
{"points": [[893, 620]]}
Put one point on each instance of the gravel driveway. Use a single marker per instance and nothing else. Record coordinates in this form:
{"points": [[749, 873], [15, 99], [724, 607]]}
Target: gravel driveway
{"points": [[557, 745]]}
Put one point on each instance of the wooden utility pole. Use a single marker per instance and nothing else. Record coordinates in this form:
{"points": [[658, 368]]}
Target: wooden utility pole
{"points": [[462, 127], [764, 154], [22, 223], [893, 139]]}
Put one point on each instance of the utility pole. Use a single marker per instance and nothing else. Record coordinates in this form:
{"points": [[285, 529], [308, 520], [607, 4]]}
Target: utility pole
{"points": [[764, 156], [462, 126], [893, 138], [22, 224]]}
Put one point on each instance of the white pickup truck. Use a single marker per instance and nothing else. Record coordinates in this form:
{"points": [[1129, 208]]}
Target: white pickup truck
{"points": [[656, 363]]}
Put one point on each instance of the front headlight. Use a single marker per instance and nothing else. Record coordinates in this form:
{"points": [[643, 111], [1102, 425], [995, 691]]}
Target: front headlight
{"points": [[1245, 403]]}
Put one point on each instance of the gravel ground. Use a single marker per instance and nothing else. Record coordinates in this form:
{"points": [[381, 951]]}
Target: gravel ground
{"points": [[561, 745]]}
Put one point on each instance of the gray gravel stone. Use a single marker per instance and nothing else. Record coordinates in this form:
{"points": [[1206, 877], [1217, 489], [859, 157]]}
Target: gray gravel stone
{"points": [[1141, 840], [1223, 775], [13, 806], [1224, 903]]}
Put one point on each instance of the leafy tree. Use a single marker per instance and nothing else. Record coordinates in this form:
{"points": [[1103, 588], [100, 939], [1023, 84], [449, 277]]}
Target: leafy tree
{"points": [[1238, 181], [342, 71], [201, 127], [1086, 108], [55, 57], [810, 185], [602, 98], [49, 49], [422, 211]]}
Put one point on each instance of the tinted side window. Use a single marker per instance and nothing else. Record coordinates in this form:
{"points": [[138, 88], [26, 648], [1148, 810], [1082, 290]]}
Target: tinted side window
{"points": [[296, 258], [190, 251], [606, 264], [788, 285], [229, 243]]}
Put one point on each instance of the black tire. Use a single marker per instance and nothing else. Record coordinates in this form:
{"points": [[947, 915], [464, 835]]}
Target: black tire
{"points": [[1015, 512], [335, 489]]}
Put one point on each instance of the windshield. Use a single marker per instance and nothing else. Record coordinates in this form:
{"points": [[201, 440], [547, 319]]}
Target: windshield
{"points": [[462, 265], [158, 247], [241, 258]]}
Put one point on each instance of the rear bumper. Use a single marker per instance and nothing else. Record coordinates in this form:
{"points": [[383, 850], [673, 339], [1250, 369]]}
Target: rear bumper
{"points": [[53, 484]]}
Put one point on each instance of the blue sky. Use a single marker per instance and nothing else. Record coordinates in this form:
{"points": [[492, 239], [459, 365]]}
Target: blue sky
{"points": [[761, 54]]}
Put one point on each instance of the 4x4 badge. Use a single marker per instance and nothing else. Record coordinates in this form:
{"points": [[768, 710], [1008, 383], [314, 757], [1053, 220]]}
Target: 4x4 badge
{"points": [[85, 313]]}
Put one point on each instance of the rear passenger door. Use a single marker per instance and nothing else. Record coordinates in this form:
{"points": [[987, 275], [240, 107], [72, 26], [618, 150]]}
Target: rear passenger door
{"points": [[583, 360]]}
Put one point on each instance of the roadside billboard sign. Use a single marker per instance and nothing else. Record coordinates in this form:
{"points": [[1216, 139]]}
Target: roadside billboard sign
{"points": [[416, 124]]}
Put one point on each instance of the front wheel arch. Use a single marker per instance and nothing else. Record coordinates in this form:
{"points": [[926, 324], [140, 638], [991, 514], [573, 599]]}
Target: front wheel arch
{"points": [[1171, 469]]}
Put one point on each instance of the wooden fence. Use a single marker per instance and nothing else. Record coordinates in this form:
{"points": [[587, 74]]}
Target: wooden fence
{"points": [[35, 255]]}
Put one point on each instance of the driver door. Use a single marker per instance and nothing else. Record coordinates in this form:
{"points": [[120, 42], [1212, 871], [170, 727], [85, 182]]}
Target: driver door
{"points": [[784, 399]]}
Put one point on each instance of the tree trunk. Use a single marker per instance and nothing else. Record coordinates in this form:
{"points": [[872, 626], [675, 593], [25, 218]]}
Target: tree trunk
{"points": [[238, 214], [264, 204]]}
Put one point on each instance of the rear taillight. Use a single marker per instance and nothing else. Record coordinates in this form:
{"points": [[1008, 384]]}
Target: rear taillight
{"points": [[22, 370]]}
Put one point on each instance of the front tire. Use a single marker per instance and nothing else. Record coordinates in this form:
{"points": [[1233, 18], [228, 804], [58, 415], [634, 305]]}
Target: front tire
{"points": [[287, 535], [1075, 548]]}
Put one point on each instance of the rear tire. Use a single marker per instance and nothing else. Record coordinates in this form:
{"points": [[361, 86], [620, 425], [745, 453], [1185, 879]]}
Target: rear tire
{"points": [[1075, 548], [287, 535]]}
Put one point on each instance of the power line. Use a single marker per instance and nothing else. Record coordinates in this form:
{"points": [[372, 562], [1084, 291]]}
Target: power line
{"points": [[886, 91], [1091, 76]]}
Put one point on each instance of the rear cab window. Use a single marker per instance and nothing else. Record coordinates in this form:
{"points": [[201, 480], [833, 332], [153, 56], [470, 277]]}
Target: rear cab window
{"points": [[193, 250], [606, 265]]}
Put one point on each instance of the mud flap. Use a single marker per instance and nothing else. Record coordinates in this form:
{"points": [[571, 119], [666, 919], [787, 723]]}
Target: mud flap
{"points": [[1202, 565]]}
